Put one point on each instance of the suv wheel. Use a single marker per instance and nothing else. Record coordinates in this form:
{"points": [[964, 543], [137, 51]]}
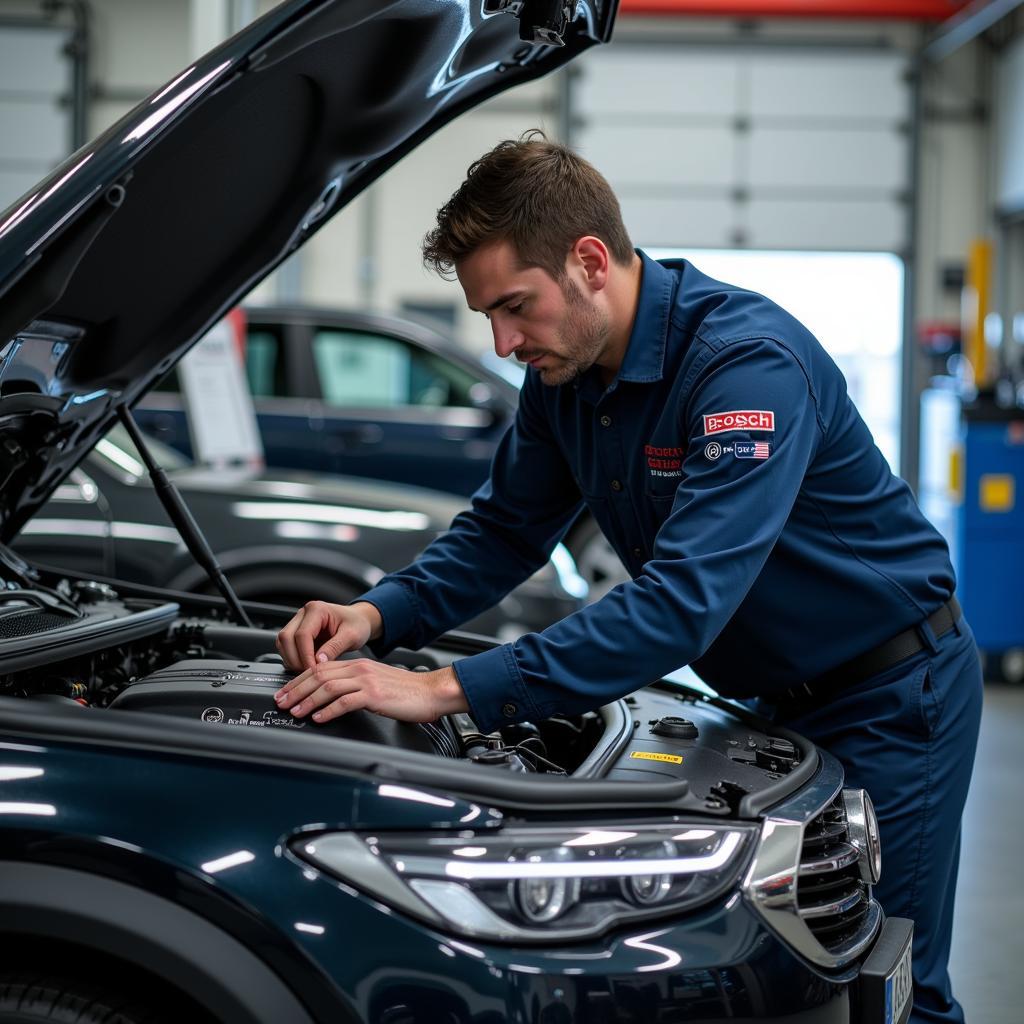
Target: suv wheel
{"points": [[33, 998]]}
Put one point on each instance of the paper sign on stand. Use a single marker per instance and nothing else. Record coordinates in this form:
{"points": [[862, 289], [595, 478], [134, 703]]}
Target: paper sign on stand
{"points": [[221, 417]]}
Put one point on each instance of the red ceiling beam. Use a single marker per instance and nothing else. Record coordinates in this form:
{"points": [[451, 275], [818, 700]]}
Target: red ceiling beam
{"points": [[915, 10]]}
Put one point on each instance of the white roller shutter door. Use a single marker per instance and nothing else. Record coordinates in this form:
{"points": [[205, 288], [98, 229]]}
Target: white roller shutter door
{"points": [[35, 114], [741, 147]]}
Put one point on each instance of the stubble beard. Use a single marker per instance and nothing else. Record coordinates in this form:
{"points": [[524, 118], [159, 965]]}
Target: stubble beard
{"points": [[582, 335]]}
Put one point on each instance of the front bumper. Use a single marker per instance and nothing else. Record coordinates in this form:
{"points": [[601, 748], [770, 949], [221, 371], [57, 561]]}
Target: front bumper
{"points": [[722, 965]]}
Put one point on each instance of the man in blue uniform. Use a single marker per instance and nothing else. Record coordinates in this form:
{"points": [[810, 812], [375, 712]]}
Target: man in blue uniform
{"points": [[771, 548]]}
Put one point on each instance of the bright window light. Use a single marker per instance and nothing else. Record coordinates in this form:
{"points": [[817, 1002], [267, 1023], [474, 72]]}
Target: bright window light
{"points": [[853, 304]]}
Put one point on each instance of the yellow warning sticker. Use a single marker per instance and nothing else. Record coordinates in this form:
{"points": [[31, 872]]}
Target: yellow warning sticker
{"points": [[647, 755], [996, 492]]}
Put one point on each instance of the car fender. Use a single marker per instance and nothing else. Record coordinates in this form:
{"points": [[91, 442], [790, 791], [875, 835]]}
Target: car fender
{"points": [[361, 574], [140, 928]]}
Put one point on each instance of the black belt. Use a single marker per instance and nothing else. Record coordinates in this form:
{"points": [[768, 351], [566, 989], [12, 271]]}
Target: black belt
{"points": [[878, 659]]}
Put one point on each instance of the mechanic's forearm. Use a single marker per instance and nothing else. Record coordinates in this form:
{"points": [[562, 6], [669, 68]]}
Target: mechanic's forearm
{"points": [[468, 569], [373, 617], [448, 692]]}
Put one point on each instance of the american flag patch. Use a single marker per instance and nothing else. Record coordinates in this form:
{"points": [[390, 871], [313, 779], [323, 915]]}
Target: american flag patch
{"points": [[752, 449]]}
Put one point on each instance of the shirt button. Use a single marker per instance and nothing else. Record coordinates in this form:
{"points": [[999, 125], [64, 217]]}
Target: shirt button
{"points": [[606, 421], [508, 710], [616, 485], [637, 553]]}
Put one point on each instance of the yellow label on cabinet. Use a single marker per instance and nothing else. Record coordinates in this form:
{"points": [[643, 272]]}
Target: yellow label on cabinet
{"points": [[644, 755], [995, 492]]}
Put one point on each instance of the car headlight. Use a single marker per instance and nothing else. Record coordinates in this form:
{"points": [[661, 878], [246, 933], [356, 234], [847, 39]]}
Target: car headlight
{"points": [[538, 884]]}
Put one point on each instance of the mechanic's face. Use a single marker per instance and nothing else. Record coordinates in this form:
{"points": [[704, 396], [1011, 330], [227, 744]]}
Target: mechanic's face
{"points": [[558, 329]]}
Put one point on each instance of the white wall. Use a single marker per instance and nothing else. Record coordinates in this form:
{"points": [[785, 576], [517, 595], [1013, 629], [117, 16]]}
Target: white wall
{"points": [[955, 178], [1009, 157]]}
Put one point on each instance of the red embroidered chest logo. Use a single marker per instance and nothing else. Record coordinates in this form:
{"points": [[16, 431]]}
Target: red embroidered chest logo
{"points": [[743, 419], [663, 458]]}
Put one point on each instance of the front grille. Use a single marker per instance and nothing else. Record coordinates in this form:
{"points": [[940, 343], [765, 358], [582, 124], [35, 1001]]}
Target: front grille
{"points": [[29, 623], [832, 898]]}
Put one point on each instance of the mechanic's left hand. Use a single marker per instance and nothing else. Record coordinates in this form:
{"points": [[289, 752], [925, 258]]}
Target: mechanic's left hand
{"points": [[334, 688]]}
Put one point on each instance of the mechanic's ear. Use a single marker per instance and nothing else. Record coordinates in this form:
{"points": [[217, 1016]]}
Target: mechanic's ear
{"points": [[590, 255]]}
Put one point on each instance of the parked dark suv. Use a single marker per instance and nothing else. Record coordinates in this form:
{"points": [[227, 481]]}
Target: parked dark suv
{"points": [[172, 848]]}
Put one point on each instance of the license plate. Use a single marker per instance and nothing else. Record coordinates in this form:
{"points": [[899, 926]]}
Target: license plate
{"points": [[899, 988]]}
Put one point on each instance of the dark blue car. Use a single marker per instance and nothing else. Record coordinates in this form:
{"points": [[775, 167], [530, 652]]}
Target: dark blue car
{"points": [[359, 394], [172, 848]]}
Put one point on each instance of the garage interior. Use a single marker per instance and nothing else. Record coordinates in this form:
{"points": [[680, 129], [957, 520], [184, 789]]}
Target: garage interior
{"points": [[860, 161]]}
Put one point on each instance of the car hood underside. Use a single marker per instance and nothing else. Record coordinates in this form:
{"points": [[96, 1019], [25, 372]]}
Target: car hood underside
{"points": [[120, 260]]}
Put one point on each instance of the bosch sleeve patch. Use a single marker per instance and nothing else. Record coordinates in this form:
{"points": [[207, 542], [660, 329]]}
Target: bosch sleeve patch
{"points": [[742, 419]]}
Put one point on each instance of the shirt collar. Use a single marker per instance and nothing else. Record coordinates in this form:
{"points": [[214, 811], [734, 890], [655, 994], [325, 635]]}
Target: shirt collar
{"points": [[644, 361]]}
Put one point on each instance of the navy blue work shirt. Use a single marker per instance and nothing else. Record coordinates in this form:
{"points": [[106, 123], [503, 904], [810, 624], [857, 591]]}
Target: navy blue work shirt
{"points": [[767, 539]]}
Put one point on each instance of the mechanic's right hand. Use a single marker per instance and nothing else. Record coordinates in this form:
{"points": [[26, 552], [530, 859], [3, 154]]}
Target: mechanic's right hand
{"points": [[319, 631]]}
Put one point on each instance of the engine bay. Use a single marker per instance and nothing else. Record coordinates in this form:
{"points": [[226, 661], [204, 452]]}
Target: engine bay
{"points": [[83, 643]]}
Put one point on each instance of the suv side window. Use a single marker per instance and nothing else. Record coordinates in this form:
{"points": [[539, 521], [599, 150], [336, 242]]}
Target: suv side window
{"points": [[264, 363], [264, 366], [359, 369]]}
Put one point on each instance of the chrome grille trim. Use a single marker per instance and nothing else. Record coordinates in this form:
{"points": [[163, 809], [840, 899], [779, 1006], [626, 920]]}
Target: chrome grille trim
{"points": [[829, 920], [843, 906], [825, 865]]}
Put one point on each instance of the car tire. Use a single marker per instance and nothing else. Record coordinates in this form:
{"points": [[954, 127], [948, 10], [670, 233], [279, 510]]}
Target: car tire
{"points": [[596, 561], [34, 998]]}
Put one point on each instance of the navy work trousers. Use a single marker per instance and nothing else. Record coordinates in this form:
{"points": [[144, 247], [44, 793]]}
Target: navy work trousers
{"points": [[908, 736]]}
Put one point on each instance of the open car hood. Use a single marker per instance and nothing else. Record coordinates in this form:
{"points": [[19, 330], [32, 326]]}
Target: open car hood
{"points": [[119, 261]]}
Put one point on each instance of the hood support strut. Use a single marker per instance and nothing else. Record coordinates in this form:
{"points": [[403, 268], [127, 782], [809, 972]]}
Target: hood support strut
{"points": [[183, 520]]}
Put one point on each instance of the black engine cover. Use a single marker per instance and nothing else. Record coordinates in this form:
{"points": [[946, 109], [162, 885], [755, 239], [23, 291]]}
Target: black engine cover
{"points": [[241, 694]]}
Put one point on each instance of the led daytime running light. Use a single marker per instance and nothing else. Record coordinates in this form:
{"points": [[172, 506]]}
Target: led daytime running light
{"points": [[469, 872]]}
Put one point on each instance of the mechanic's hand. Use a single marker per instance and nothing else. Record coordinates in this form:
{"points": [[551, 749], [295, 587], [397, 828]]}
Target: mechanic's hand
{"points": [[319, 632], [334, 688]]}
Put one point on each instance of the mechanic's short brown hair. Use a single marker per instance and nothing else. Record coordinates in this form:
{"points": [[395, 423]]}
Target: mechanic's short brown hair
{"points": [[536, 194]]}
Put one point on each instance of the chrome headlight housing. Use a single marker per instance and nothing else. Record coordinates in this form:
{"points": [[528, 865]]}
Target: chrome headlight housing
{"points": [[539, 884]]}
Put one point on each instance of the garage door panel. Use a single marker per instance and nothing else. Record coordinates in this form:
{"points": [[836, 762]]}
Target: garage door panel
{"points": [[845, 86], [663, 221], [826, 224], [14, 184], [737, 148], [39, 127], [677, 81], [647, 154], [835, 159], [35, 118], [32, 61]]}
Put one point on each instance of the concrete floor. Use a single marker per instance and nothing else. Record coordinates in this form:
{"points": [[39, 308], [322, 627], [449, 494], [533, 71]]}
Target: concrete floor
{"points": [[987, 963]]}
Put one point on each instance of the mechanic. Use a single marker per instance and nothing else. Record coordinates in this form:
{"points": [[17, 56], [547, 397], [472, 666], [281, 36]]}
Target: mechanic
{"points": [[712, 439]]}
